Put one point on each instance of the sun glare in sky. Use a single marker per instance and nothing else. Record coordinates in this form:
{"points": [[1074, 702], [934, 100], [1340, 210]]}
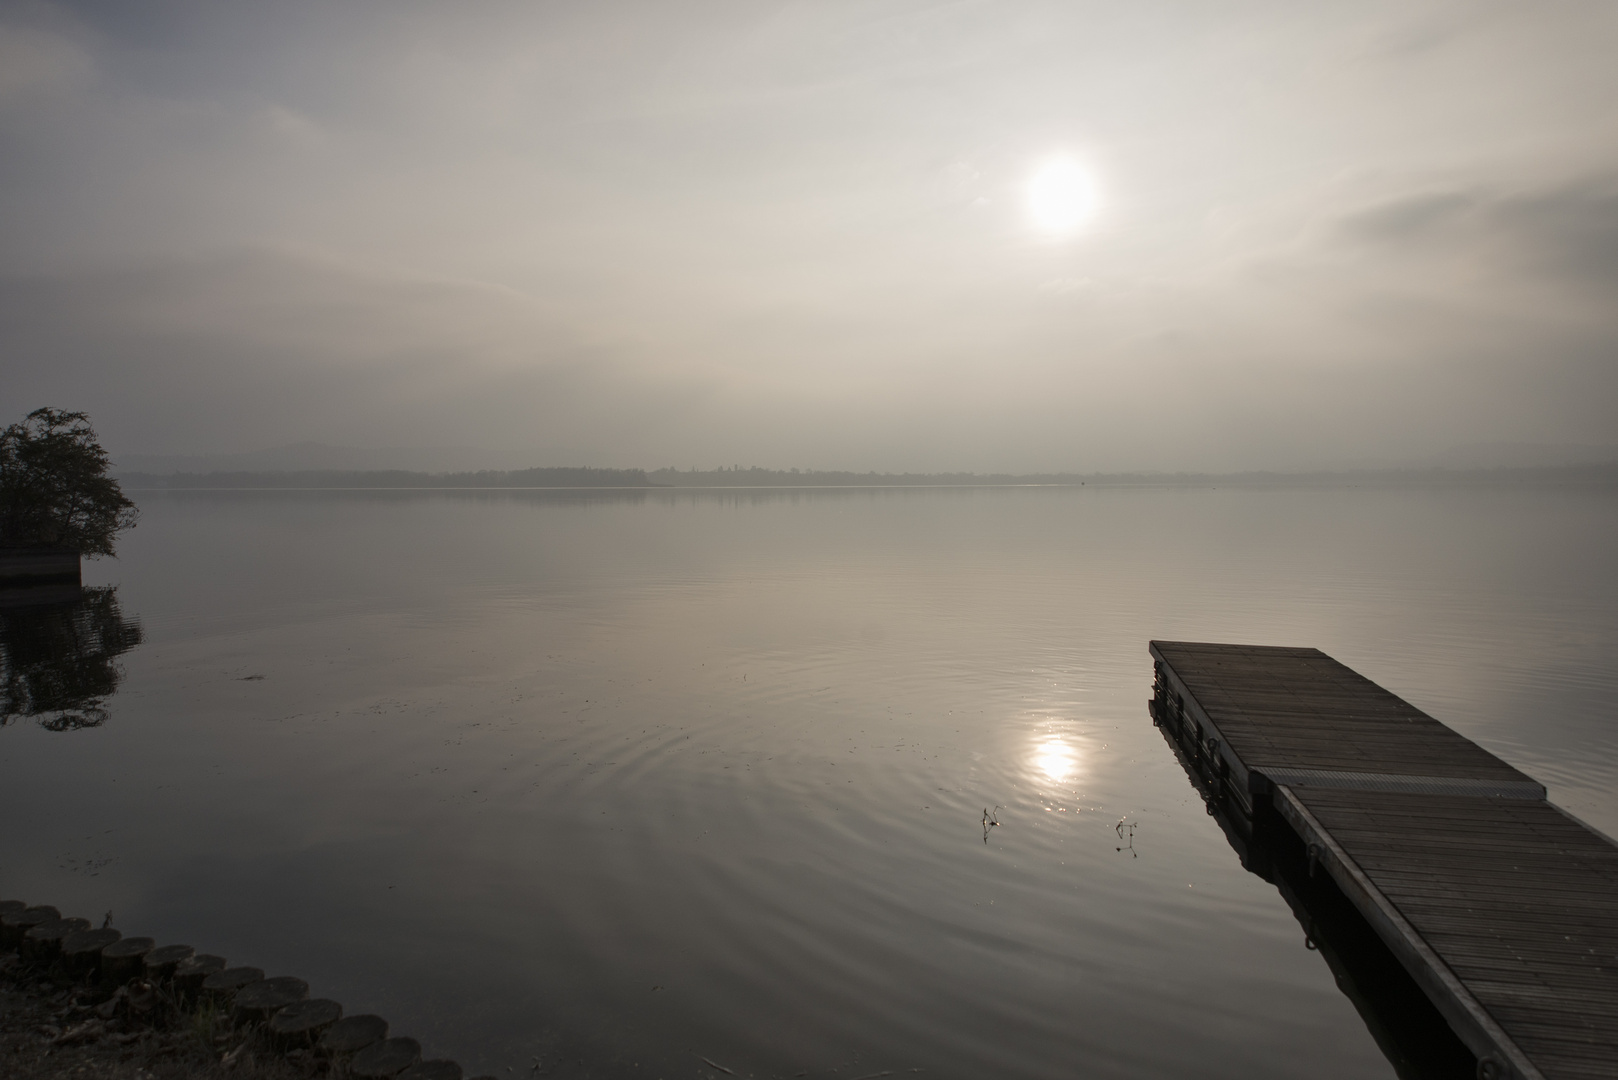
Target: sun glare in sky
{"points": [[1062, 196]]}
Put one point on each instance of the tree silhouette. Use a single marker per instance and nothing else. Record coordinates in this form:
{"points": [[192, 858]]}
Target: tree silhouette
{"points": [[54, 487]]}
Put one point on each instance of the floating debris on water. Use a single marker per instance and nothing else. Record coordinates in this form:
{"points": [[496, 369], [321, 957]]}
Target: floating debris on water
{"points": [[1126, 832]]}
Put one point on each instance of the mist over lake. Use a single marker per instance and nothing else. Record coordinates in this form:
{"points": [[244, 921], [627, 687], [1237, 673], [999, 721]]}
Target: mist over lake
{"points": [[627, 781]]}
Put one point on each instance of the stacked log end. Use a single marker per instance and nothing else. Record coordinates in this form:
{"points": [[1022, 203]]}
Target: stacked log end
{"points": [[384, 1059], [125, 959], [15, 923], [82, 950], [280, 1008], [159, 964], [301, 1024], [42, 942], [221, 987]]}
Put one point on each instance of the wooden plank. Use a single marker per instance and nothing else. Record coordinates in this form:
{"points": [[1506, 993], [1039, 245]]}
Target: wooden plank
{"points": [[1503, 907], [1466, 1015], [1301, 709]]}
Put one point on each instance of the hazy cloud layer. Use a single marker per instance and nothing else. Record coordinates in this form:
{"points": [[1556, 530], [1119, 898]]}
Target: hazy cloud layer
{"points": [[794, 235]]}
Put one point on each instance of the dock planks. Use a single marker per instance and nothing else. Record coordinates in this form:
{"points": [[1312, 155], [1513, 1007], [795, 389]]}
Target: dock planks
{"points": [[1502, 907]]}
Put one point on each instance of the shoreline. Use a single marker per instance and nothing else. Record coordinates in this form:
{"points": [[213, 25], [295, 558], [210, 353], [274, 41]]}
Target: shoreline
{"points": [[50, 1029], [96, 1005]]}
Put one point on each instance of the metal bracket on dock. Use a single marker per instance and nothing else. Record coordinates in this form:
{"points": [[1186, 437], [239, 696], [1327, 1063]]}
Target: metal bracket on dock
{"points": [[1173, 702]]}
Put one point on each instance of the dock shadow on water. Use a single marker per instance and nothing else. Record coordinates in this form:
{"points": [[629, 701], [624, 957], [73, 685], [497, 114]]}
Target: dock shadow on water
{"points": [[58, 651], [1407, 1027]]}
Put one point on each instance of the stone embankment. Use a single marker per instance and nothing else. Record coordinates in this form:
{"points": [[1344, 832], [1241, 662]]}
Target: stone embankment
{"points": [[90, 1002]]}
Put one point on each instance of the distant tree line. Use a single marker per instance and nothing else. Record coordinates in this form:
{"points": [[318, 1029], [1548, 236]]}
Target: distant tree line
{"points": [[396, 478], [754, 476], [740, 476]]}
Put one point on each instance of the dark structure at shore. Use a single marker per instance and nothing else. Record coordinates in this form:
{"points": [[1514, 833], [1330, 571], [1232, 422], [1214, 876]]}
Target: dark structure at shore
{"points": [[35, 565]]}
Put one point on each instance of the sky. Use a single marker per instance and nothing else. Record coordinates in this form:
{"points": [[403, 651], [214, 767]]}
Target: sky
{"points": [[809, 235]]}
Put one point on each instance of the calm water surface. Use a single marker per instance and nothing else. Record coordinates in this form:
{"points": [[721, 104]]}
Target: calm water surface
{"points": [[621, 782]]}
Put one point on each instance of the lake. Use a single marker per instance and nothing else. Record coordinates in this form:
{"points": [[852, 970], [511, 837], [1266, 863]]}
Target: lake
{"points": [[636, 783]]}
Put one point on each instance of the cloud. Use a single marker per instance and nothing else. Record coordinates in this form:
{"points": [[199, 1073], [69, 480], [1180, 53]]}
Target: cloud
{"points": [[956, 183], [794, 236], [242, 348], [35, 62], [1067, 286], [1568, 230], [1409, 217]]}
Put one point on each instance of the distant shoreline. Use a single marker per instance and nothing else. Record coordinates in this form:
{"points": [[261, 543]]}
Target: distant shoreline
{"points": [[384, 479], [559, 479]]}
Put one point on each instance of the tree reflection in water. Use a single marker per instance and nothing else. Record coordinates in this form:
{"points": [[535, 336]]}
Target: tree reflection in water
{"points": [[57, 653]]}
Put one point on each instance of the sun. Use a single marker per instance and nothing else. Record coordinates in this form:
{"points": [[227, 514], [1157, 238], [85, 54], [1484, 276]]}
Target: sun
{"points": [[1062, 196]]}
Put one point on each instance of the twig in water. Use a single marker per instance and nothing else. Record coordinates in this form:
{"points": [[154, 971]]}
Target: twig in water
{"points": [[990, 821], [715, 1065], [1127, 833]]}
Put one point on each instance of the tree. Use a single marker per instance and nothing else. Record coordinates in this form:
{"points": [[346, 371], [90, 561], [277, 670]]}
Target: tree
{"points": [[54, 487]]}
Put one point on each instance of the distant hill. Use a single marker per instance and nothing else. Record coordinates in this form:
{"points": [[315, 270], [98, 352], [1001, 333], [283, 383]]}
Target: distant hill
{"points": [[391, 478]]}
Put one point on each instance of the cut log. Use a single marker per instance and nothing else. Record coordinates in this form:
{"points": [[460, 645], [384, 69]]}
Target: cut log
{"points": [[385, 1060], [302, 1022], [437, 1069], [124, 960], [261, 1000], [189, 973], [43, 943], [352, 1034], [81, 951], [13, 924], [160, 963], [221, 987]]}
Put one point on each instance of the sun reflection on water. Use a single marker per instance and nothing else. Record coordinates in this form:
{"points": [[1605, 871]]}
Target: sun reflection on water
{"points": [[1055, 759]]}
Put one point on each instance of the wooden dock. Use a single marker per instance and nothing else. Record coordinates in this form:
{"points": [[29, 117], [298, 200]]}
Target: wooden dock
{"points": [[1502, 907]]}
